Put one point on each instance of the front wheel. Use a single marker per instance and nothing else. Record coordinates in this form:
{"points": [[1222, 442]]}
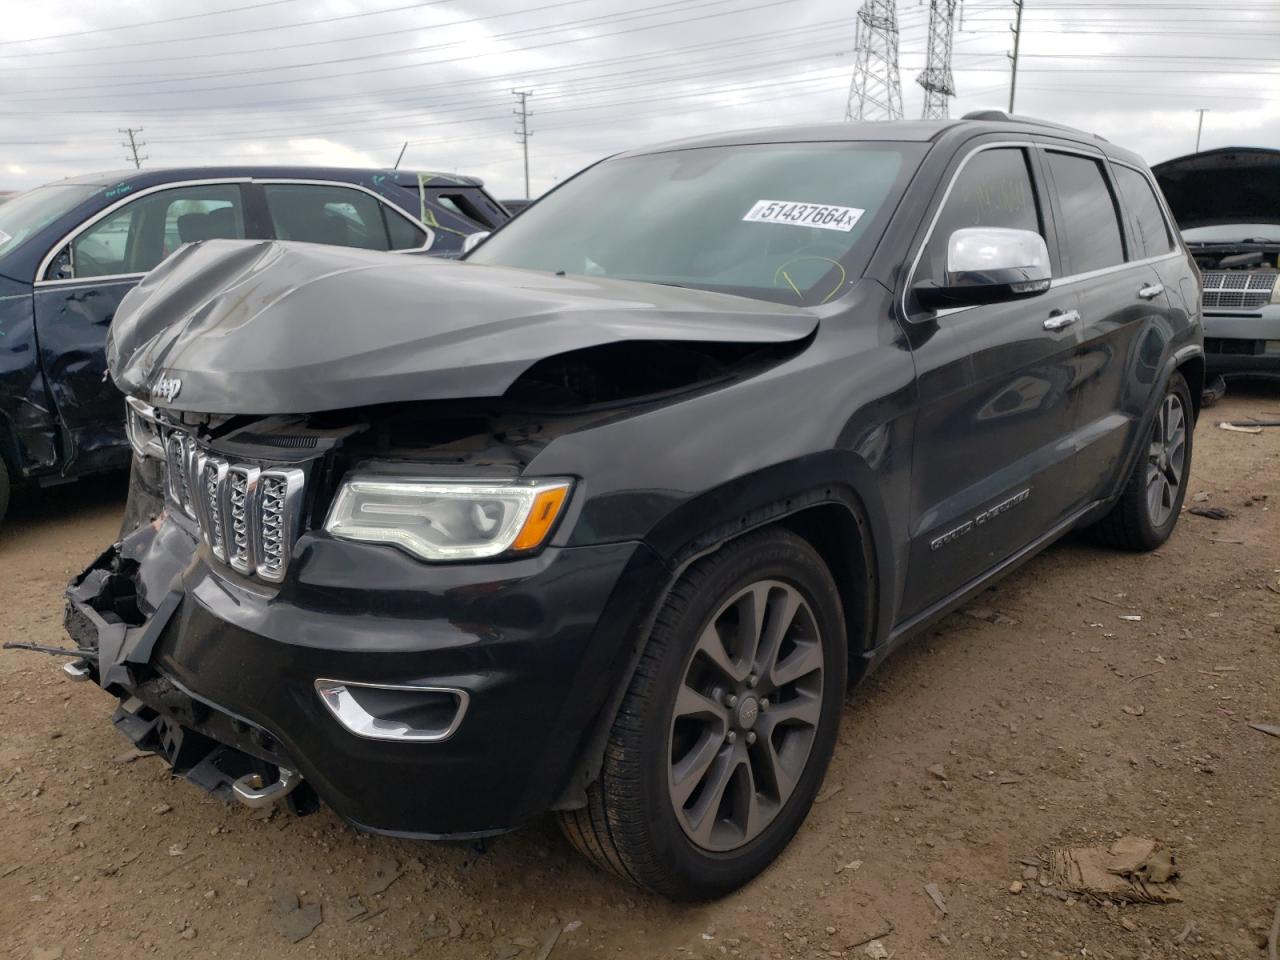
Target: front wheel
{"points": [[1148, 509], [728, 724]]}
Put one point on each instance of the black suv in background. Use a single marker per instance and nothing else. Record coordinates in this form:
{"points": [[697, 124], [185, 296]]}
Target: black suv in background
{"points": [[71, 250], [604, 518]]}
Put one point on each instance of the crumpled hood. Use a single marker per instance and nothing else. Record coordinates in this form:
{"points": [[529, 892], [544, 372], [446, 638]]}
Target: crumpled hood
{"points": [[1228, 185], [266, 327]]}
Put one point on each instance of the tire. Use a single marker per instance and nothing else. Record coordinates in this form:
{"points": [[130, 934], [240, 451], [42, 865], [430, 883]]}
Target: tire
{"points": [[4, 490], [632, 824], [1148, 508]]}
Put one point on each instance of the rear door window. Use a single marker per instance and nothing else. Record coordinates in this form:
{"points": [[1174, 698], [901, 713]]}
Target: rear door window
{"points": [[994, 189], [1144, 211], [337, 215], [1089, 230], [140, 234]]}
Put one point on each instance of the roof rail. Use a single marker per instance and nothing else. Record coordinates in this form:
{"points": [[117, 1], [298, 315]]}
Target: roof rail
{"points": [[1001, 115]]}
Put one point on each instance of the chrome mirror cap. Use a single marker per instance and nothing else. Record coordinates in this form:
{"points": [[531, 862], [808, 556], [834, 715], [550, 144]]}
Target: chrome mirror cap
{"points": [[473, 240], [978, 254]]}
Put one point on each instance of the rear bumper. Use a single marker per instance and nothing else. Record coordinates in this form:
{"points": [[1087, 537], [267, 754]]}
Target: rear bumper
{"points": [[221, 673]]}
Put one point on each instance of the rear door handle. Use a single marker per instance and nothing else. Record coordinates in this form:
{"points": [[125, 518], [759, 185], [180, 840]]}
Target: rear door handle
{"points": [[1152, 291], [1060, 321]]}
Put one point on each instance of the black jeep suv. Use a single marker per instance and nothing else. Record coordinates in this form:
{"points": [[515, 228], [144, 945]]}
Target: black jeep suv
{"points": [[604, 518]]}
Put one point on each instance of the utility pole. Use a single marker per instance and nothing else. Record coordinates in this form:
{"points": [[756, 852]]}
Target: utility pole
{"points": [[938, 82], [1200, 127], [1017, 41], [133, 145], [875, 92], [522, 114]]}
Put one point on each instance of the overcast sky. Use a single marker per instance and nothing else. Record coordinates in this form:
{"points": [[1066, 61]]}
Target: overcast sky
{"points": [[345, 82]]}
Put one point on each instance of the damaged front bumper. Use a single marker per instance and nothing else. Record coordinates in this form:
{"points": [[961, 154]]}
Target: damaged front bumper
{"points": [[305, 691]]}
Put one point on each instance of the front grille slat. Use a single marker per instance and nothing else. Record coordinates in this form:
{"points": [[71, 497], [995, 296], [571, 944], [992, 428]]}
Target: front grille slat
{"points": [[248, 515], [1238, 289]]}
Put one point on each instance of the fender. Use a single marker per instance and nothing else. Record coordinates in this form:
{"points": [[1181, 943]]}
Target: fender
{"points": [[768, 497]]}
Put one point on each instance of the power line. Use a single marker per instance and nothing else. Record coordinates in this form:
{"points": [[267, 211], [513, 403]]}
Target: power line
{"points": [[133, 146], [409, 66], [151, 23], [522, 114]]}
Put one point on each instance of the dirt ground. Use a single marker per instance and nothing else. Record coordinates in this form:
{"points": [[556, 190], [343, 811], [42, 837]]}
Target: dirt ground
{"points": [[1056, 718]]}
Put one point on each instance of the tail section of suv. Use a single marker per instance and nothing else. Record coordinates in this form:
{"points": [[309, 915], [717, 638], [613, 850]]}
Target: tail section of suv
{"points": [[603, 519]]}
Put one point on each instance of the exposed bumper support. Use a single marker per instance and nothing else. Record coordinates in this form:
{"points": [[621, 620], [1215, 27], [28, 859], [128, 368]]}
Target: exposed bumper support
{"points": [[250, 791]]}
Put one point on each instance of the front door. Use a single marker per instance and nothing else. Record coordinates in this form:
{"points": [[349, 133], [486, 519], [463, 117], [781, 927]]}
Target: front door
{"points": [[990, 469], [77, 298]]}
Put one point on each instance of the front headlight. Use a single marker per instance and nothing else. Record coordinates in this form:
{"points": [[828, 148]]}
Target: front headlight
{"points": [[449, 520]]}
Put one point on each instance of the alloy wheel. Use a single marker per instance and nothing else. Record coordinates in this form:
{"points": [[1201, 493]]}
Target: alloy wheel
{"points": [[1166, 457], [746, 715]]}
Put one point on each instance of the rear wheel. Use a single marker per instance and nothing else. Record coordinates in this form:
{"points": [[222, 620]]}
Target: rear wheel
{"points": [[1147, 511], [728, 724]]}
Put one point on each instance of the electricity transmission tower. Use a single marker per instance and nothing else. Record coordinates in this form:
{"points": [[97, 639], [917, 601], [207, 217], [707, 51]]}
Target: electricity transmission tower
{"points": [[937, 80], [133, 145], [522, 114], [875, 92]]}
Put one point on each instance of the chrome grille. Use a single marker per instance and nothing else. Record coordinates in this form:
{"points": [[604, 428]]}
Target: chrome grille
{"points": [[249, 516], [1238, 289]]}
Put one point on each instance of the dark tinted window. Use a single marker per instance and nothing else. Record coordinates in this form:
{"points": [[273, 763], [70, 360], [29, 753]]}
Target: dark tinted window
{"points": [[140, 234], [993, 190], [404, 235], [321, 213], [1090, 229], [1144, 210]]}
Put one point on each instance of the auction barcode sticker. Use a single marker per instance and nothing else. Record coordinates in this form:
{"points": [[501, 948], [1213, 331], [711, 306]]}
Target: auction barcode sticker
{"points": [[822, 215]]}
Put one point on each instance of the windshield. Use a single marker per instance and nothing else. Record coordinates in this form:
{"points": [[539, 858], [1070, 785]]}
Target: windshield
{"points": [[1234, 233], [786, 222], [27, 213]]}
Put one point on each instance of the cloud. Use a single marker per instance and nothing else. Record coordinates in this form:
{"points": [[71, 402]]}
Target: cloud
{"points": [[343, 83]]}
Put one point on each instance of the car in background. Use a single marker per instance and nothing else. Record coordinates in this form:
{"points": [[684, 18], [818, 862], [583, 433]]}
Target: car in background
{"points": [[71, 250], [1227, 204]]}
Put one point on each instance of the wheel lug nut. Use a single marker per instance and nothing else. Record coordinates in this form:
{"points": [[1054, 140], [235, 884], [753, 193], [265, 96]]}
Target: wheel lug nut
{"points": [[731, 700], [764, 705], [752, 680], [751, 737], [731, 736]]}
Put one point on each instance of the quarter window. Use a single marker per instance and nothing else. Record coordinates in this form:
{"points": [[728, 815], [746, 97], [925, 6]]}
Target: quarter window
{"points": [[341, 216], [994, 189], [1144, 209], [140, 234], [1090, 228]]}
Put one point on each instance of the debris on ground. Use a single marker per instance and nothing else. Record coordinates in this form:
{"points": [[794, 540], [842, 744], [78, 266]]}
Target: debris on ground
{"points": [[1266, 728], [990, 616], [936, 896], [1239, 428], [1132, 869], [1212, 513], [1131, 618], [937, 771], [292, 921], [385, 873], [876, 950], [828, 794], [871, 933], [1273, 941]]}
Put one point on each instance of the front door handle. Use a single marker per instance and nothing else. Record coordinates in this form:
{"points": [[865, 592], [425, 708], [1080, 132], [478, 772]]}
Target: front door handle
{"points": [[1151, 291], [1060, 321]]}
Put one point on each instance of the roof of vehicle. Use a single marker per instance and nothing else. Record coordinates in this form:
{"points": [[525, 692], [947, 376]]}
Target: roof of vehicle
{"points": [[911, 131], [404, 178]]}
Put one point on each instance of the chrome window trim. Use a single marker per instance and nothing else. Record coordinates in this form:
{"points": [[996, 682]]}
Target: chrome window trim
{"points": [[431, 234], [1081, 149], [356, 721], [106, 212]]}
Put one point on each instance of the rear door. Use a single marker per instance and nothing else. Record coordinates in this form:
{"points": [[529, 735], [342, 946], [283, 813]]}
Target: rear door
{"points": [[1124, 311], [990, 469], [81, 283]]}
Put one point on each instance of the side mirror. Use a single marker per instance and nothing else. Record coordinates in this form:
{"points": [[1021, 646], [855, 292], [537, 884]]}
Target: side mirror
{"points": [[474, 240], [989, 265]]}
